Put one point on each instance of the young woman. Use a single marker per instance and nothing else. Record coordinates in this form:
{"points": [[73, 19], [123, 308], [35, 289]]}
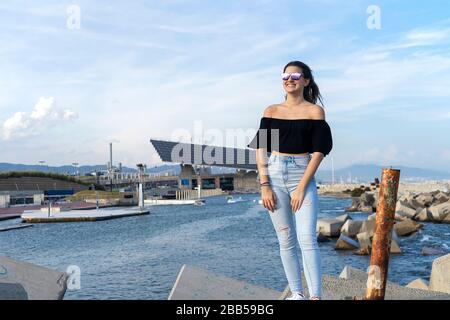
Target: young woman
{"points": [[298, 138]]}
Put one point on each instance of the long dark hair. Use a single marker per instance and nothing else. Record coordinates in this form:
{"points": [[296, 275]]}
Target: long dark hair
{"points": [[311, 93]]}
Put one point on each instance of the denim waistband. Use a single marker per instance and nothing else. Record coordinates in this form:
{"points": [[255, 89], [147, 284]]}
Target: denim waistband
{"points": [[287, 158]]}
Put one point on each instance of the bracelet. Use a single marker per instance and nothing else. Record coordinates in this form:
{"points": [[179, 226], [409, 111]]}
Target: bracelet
{"points": [[267, 183]]}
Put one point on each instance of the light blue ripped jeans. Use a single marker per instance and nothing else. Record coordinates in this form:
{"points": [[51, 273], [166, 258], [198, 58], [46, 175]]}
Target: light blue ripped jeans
{"points": [[285, 173]]}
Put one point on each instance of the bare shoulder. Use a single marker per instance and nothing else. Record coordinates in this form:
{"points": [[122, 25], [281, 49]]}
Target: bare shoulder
{"points": [[317, 112], [270, 110]]}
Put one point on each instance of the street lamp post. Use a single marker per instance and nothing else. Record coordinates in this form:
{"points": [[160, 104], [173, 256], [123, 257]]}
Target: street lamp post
{"points": [[42, 162], [75, 164]]}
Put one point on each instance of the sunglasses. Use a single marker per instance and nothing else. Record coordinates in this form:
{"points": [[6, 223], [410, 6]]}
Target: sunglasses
{"points": [[294, 76]]}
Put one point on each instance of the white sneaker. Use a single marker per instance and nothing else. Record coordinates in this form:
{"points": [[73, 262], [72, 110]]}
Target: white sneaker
{"points": [[296, 296]]}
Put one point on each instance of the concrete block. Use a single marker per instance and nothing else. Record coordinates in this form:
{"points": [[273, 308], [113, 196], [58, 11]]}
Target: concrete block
{"points": [[329, 227], [413, 203], [395, 248], [343, 218], [394, 236], [365, 243], [350, 273], [346, 243], [369, 227], [446, 219], [322, 238], [407, 227], [440, 274], [440, 212], [351, 227], [441, 197], [418, 284], [402, 209], [425, 199], [194, 283], [424, 215], [39, 283]]}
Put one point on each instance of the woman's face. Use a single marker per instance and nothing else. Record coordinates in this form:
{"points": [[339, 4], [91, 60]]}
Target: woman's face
{"points": [[292, 86]]}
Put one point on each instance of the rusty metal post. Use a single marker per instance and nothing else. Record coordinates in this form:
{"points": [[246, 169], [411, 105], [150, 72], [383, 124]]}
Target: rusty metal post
{"points": [[381, 243]]}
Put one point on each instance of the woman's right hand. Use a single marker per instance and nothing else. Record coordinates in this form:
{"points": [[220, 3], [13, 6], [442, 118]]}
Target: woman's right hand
{"points": [[268, 197]]}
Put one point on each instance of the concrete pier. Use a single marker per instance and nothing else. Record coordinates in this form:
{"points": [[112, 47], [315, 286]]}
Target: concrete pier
{"points": [[21, 280], [194, 283], [82, 215]]}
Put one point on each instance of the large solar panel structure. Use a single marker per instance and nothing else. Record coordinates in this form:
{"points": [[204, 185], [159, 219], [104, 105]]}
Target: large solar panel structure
{"points": [[200, 154]]}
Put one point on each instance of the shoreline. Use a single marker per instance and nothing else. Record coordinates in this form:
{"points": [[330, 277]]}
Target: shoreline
{"points": [[404, 188]]}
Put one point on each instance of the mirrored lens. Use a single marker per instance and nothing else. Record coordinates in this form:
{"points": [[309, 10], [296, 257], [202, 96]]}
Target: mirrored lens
{"points": [[295, 76]]}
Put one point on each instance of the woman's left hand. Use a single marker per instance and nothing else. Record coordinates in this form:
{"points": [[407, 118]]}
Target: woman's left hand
{"points": [[297, 198]]}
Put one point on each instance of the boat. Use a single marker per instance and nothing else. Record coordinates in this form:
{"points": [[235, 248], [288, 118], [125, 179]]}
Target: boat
{"points": [[231, 199], [199, 202]]}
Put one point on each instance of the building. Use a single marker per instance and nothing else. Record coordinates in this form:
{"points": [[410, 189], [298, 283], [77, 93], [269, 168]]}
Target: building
{"points": [[35, 190], [196, 161]]}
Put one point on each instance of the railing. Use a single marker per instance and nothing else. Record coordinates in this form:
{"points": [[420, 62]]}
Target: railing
{"points": [[193, 194]]}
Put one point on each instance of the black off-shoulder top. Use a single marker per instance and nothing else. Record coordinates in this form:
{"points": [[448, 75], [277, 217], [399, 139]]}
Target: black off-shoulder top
{"points": [[293, 136]]}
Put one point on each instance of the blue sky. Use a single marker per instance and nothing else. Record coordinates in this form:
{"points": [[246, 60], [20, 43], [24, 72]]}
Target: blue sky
{"points": [[136, 70]]}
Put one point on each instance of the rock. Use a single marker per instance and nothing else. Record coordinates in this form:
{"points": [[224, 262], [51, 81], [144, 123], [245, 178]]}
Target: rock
{"points": [[367, 199], [343, 218], [375, 203], [414, 204], [418, 284], [406, 196], [424, 215], [322, 238], [402, 209], [440, 275], [351, 227], [364, 208], [346, 243], [440, 197], [329, 227], [428, 251], [365, 243], [425, 199], [369, 227], [354, 206], [440, 211], [398, 217], [446, 219], [407, 227], [395, 248]]}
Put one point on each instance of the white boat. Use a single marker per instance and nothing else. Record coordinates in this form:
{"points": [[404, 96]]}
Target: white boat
{"points": [[231, 199], [199, 202]]}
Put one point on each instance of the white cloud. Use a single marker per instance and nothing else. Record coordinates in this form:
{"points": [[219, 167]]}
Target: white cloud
{"points": [[43, 115]]}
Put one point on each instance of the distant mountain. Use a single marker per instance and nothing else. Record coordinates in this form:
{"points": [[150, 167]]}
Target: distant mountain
{"points": [[368, 172], [170, 168], [62, 169], [355, 173]]}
